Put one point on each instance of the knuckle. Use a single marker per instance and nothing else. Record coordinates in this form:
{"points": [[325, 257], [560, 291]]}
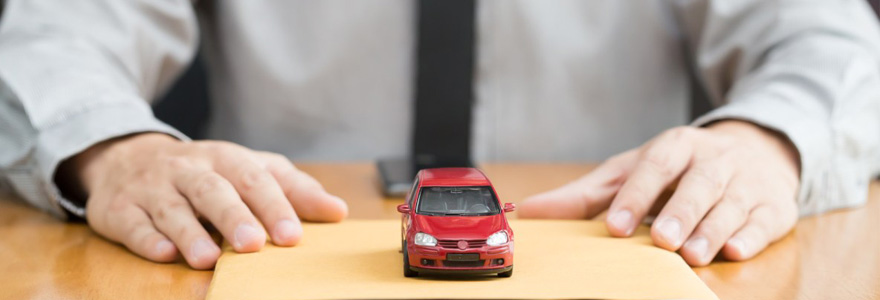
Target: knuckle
{"points": [[301, 180], [586, 196], [255, 177], [620, 157], [725, 222], [738, 211], [659, 163], [222, 148], [137, 233], [708, 177], [275, 157], [187, 234], [231, 214], [635, 192], [311, 183], [687, 209], [124, 197], [166, 210], [681, 132], [176, 162], [620, 162], [736, 196], [210, 144], [711, 229], [208, 183], [277, 163], [271, 207]]}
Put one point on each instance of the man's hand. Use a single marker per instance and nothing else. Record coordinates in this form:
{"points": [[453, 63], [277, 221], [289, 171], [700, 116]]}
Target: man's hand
{"points": [[148, 192], [735, 185]]}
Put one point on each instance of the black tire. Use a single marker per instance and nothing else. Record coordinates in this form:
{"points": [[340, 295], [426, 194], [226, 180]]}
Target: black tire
{"points": [[506, 274], [407, 272]]}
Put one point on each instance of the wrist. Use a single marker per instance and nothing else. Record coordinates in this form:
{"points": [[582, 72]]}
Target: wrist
{"points": [[761, 138]]}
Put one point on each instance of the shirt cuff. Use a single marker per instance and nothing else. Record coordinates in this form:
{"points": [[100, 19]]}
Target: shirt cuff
{"points": [[72, 136], [828, 179]]}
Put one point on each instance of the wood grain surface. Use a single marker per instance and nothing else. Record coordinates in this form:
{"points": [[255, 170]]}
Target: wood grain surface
{"points": [[831, 256]]}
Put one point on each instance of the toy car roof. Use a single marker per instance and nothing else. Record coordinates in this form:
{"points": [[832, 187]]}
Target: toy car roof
{"points": [[453, 177]]}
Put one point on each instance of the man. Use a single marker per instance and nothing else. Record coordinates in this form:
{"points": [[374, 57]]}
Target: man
{"points": [[795, 130]]}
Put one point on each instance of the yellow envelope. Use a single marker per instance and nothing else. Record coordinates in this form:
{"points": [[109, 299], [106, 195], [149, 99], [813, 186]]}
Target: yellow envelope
{"points": [[361, 259]]}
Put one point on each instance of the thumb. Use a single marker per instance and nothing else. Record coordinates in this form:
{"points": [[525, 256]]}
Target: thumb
{"points": [[585, 197]]}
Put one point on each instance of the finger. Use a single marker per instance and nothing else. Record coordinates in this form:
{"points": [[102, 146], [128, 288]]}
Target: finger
{"points": [[585, 197], [660, 164], [310, 201], [766, 224], [700, 188], [216, 200], [174, 217], [728, 216], [261, 193], [130, 225]]}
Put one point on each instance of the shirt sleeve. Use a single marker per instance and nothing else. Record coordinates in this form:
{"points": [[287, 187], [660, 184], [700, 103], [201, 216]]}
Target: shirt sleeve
{"points": [[807, 69], [75, 73]]}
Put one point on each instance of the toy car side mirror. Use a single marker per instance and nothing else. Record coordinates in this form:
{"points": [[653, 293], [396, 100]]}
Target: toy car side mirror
{"points": [[509, 207], [403, 208]]}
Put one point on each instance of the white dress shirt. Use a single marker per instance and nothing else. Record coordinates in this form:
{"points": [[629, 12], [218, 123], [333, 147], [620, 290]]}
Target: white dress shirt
{"points": [[554, 80]]}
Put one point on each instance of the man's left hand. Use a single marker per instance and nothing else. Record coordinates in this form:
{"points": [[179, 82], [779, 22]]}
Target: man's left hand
{"points": [[734, 191]]}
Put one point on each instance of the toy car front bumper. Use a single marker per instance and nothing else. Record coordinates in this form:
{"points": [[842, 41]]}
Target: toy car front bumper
{"points": [[484, 260], [462, 271]]}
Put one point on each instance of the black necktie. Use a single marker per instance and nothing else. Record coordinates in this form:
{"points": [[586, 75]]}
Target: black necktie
{"points": [[444, 83]]}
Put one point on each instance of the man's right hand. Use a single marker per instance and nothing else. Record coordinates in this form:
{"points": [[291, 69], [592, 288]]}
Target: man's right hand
{"points": [[148, 192]]}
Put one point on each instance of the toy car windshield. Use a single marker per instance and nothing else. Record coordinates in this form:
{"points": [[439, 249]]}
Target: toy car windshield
{"points": [[458, 201]]}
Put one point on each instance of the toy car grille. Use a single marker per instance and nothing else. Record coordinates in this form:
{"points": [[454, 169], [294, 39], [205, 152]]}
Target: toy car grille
{"points": [[464, 264], [453, 244]]}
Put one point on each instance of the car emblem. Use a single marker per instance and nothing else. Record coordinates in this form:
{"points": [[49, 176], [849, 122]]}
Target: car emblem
{"points": [[462, 245]]}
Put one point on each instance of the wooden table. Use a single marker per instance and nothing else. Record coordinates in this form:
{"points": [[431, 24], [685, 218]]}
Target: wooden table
{"points": [[832, 256]]}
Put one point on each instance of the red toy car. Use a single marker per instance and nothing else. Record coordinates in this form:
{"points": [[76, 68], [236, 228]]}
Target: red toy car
{"points": [[454, 223]]}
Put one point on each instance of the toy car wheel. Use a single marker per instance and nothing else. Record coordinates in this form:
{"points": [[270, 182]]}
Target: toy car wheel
{"points": [[506, 274], [407, 272]]}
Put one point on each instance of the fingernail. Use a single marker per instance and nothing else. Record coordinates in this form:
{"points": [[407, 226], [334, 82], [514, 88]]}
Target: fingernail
{"points": [[203, 248], [622, 220], [246, 234], [698, 246], [670, 229], [163, 247], [287, 230], [341, 201], [738, 245], [344, 206]]}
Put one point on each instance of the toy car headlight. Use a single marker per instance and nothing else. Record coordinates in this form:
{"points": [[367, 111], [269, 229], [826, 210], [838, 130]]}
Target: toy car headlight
{"points": [[497, 239], [424, 239]]}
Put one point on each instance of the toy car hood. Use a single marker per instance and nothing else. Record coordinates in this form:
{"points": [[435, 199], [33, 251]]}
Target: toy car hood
{"points": [[460, 227]]}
